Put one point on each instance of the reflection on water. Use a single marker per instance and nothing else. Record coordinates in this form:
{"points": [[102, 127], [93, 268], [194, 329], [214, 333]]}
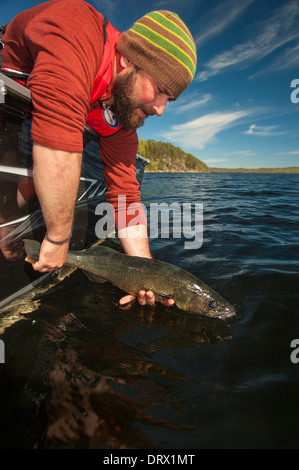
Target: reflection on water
{"points": [[82, 372]]}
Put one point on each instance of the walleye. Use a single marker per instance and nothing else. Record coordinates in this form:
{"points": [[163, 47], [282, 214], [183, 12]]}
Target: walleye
{"points": [[132, 274]]}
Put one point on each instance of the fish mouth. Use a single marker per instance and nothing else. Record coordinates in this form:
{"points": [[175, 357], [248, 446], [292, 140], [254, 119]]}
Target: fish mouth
{"points": [[224, 314]]}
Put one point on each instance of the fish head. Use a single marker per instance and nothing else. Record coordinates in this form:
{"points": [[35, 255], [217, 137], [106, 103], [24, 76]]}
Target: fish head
{"points": [[219, 308], [203, 300]]}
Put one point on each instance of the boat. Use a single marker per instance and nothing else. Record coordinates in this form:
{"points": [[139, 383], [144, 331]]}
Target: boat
{"points": [[20, 213]]}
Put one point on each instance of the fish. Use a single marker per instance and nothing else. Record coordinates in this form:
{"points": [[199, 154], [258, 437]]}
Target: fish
{"points": [[132, 274]]}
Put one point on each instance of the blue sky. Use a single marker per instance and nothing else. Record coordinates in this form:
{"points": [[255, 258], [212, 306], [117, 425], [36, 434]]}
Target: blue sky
{"points": [[238, 110]]}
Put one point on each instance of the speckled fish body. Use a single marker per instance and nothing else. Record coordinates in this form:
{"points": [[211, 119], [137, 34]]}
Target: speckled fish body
{"points": [[132, 274]]}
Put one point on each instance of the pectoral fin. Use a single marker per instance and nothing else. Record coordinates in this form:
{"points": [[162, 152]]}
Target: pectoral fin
{"points": [[160, 294], [94, 278]]}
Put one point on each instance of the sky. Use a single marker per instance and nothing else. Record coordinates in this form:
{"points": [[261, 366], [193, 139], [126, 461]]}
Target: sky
{"points": [[242, 108]]}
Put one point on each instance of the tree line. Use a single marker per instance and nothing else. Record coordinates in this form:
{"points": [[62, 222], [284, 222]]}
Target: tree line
{"points": [[164, 156]]}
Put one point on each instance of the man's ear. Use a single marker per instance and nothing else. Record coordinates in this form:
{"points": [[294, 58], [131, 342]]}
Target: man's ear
{"points": [[124, 63]]}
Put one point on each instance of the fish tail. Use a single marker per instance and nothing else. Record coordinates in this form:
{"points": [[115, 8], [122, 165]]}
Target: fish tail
{"points": [[32, 248]]}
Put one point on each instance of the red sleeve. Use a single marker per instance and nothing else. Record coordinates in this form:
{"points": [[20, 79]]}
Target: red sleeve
{"points": [[118, 153], [63, 41]]}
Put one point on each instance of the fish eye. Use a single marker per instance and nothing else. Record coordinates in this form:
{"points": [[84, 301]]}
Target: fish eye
{"points": [[213, 304]]}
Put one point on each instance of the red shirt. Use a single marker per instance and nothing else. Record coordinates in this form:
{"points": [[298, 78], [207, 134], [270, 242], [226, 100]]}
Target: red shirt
{"points": [[60, 44]]}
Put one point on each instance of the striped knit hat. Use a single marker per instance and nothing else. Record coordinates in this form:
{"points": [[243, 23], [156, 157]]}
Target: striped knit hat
{"points": [[161, 44]]}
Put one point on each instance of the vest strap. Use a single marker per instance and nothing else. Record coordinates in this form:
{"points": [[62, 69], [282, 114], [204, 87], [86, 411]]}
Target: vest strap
{"points": [[105, 23]]}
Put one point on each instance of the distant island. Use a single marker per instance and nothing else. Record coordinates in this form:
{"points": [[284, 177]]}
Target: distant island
{"points": [[165, 157]]}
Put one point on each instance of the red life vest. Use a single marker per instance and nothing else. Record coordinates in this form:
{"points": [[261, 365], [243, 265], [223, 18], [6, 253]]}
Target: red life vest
{"points": [[102, 120]]}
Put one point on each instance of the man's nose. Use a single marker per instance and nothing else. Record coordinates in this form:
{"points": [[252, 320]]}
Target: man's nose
{"points": [[160, 105]]}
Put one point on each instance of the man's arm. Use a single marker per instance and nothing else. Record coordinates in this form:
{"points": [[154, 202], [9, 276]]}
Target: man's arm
{"points": [[56, 179], [135, 242], [118, 152]]}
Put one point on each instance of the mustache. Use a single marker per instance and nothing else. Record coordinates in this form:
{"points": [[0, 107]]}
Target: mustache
{"points": [[134, 104], [146, 109]]}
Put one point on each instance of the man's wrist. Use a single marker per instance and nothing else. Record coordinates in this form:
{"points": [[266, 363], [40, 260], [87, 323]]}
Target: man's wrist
{"points": [[58, 242]]}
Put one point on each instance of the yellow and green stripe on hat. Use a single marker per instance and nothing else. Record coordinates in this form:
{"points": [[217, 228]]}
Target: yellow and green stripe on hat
{"points": [[161, 44], [170, 35]]}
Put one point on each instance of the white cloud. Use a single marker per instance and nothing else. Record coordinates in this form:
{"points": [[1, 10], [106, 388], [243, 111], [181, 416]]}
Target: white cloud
{"points": [[263, 131], [218, 19], [287, 60], [192, 104], [280, 29], [199, 132], [294, 152], [243, 153], [215, 160]]}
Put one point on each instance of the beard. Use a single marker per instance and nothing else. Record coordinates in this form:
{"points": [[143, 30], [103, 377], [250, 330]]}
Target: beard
{"points": [[124, 104]]}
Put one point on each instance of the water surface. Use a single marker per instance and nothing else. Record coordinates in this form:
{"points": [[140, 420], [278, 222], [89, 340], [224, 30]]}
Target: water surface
{"points": [[81, 372]]}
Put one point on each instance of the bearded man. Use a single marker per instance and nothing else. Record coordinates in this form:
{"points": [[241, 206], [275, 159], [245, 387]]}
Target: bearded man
{"points": [[81, 70]]}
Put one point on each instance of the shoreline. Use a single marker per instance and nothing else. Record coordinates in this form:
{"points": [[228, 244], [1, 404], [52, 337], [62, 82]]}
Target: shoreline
{"points": [[281, 171]]}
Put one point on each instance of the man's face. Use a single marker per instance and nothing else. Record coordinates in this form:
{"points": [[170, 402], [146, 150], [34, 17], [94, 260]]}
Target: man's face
{"points": [[137, 95]]}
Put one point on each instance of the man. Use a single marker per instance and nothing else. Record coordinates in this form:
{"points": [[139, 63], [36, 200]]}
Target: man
{"points": [[80, 69]]}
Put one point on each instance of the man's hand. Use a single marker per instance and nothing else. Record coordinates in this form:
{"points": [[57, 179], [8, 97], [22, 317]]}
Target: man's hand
{"points": [[51, 256], [145, 298]]}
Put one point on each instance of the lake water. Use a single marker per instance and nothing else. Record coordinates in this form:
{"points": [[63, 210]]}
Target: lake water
{"points": [[80, 372]]}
